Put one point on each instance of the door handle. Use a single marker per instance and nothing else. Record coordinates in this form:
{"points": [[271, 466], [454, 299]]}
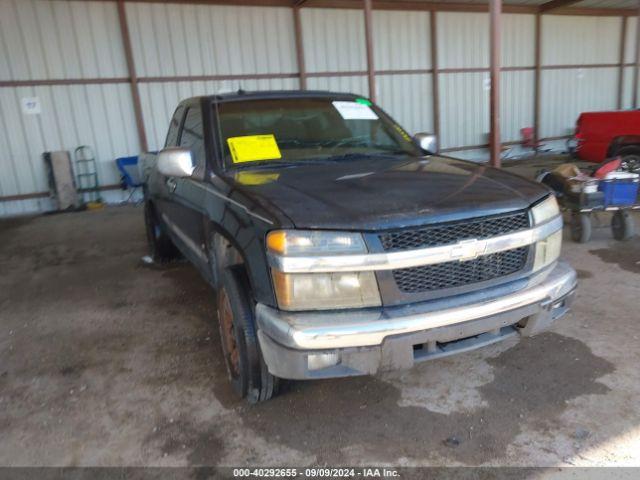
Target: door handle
{"points": [[171, 184]]}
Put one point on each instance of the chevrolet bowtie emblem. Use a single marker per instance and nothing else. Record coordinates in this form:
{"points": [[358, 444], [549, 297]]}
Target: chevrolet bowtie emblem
{"points": [[468, 249]]}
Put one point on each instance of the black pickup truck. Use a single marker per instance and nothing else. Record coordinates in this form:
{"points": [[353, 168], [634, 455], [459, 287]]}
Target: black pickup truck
{"points": [[339, 245]]}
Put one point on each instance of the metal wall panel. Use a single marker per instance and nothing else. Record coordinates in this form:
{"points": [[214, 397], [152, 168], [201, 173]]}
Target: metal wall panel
{"points": [[464, 109], [159, 100], [173, 40], [463, 40], [629, 57], [409, 99], [350, 84], [61, 39], [518, 40], [401, 40], [97, 115], [580, 40], [568, 92], [333, 40], [630, 40], [517, 103], [627, 87]]}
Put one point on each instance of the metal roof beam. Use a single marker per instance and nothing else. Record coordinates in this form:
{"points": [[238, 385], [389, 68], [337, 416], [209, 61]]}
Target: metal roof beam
{"points": [[553, 4]]}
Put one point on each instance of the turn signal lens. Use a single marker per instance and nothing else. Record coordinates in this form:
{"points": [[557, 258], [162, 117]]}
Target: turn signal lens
{"points": [[314, 242], [277, 241]]}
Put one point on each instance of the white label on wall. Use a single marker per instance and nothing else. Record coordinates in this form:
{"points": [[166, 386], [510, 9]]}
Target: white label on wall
{"points": [[31, 106], [355, 111]]}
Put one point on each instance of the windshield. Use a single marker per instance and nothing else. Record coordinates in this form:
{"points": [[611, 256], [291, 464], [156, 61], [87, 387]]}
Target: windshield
{"points": [[272, 132]]}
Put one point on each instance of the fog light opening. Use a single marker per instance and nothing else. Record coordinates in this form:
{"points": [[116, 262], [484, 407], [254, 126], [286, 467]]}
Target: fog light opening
{"points": [[318, 361]]}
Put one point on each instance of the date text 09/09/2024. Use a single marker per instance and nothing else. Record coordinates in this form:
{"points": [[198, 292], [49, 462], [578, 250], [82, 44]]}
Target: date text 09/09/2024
{"points": [[323, 472]]}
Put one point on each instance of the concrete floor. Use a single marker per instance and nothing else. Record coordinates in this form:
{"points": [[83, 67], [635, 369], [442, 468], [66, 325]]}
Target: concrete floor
{"points": [[104, 361]]}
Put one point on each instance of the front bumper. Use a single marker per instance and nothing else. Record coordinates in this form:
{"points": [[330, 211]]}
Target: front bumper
{"points": [[366, 341]]}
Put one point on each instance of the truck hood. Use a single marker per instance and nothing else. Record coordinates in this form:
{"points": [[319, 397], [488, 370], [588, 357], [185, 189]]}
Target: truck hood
{"points": [[379, 193]]}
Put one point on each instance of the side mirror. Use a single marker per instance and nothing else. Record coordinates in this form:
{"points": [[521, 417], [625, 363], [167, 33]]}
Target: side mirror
{"points": [[175, 162], [428, 142]]}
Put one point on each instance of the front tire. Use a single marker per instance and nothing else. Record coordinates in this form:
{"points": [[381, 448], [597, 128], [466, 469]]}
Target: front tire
{"points": [[246, 369]]}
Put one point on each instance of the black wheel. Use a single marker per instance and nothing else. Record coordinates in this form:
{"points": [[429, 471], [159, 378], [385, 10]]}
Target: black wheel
{"points": [[580, 227], [630, 159], [161, 248], [622, 225], [246, 369]]}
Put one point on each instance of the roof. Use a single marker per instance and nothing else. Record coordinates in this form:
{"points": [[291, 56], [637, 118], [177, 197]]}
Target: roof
{"points": [[270, 95]]}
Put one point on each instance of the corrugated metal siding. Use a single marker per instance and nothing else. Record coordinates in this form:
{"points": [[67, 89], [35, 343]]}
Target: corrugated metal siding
{"points": [[173, 40], [62, 39], [518, 40], [159, 100], [627, 88], [333, 40], [568, 92], [580, 40], [97, 115], [630, 40], [629, 57], [573, 40], [401, 40], [517, 104], [464, 109], [409, 99], [463, 41], [351, 84], [70, 39]]}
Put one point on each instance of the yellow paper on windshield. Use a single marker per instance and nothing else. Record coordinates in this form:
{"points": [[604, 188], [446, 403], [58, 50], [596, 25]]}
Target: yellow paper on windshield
{"points": [[253, 148]]}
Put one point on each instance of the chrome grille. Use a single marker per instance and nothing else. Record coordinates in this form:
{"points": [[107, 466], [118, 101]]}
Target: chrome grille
{"points": [[453, 232], [455, 274]]}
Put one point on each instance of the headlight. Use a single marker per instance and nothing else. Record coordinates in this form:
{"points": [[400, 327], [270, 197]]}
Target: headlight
{"points": [[545, 210], [300, 242], [321, 291], [547, 250]]}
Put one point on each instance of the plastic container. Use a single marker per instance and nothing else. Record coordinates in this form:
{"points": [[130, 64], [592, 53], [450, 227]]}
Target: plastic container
{"points": [[619, 188]]}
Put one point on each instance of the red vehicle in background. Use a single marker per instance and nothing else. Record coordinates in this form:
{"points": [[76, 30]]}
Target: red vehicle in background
{"points": [[603, 135]]}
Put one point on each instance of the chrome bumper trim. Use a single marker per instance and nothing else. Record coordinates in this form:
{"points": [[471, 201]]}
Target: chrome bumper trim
{"points": [[330, 330], [463, 250]]}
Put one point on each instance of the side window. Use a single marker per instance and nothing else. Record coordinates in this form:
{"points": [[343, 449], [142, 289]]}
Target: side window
{"points": [[192, 136], [174, 128]]}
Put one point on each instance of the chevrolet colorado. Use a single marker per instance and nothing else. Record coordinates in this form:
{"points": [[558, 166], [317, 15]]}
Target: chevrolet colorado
{"points": [[338, 245]]}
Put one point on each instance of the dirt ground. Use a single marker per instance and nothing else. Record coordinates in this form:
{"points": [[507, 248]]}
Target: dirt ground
{"points": [[104, 361]]}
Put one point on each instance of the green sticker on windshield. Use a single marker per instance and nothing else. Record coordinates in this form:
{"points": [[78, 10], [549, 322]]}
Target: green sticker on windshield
{"points": [[363, 101]]}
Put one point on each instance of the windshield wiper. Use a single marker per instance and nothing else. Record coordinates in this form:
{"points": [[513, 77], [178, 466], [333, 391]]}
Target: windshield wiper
{"points": [[264, 165], [354, 156]]}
